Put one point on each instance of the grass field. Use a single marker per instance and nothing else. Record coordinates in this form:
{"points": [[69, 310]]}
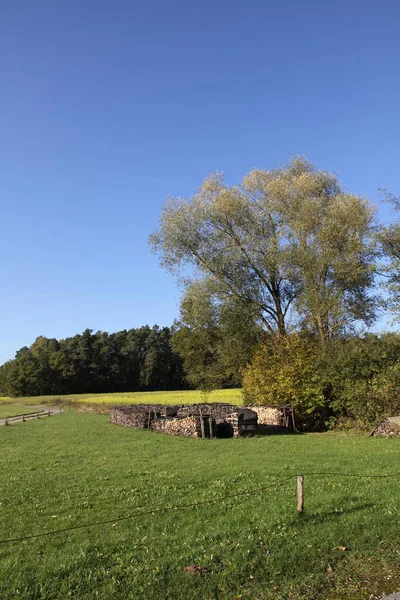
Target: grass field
{"points": [[74, 469], [10, 410], [177, 397]]}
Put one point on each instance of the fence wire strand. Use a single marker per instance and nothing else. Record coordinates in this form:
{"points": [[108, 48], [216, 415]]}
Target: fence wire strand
{"points": [[147, 512], [194, 505]]}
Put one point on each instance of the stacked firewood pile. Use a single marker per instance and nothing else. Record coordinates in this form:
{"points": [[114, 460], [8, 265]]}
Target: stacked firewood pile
{"points": [[275, 418], [140, 416], [202, 420], [227, 424], [269, 415], [389, 427], [215, 408], [224, 418], [188, 426]]}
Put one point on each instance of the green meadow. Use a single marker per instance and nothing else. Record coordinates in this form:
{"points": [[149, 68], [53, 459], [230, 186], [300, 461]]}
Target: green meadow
{"points": [[180, 518], [11, 410]]}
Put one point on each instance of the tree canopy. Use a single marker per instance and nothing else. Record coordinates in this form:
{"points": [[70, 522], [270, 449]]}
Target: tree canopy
{"points": [[289, 243], [389, 239]]}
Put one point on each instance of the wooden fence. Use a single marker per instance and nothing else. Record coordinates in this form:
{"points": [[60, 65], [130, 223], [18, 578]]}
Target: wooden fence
{"points": [[32, 415]]}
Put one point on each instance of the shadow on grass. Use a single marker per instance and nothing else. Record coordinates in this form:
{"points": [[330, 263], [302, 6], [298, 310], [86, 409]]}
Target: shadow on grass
{"points": [[277, 431], [319, 518]]}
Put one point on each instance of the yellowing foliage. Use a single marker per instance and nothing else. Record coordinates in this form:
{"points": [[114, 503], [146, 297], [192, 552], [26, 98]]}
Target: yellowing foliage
{"points": [[283, 371]]}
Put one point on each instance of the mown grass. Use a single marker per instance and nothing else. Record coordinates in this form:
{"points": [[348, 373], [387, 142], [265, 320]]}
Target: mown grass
{"points": [[77, 468], [233, 396]]}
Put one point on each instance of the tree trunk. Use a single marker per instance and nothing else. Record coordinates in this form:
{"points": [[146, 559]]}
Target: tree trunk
{"points": [[281, 324], [280, 316]]}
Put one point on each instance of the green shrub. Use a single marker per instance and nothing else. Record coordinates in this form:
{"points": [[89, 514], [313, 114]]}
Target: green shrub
{"points": [[285, 370], [364, 377]]}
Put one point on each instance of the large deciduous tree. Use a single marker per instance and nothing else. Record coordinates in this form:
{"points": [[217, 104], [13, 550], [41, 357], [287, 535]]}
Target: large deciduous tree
{"points": [[288, 243], [232, 235], [331, 248], [389, 238]]}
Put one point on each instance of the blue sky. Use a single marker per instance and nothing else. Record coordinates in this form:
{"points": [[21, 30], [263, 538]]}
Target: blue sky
{"points": [[107, 108]]}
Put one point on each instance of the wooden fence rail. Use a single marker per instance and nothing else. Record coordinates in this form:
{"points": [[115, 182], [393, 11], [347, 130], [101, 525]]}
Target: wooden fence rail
{"points": [[24, 416]]}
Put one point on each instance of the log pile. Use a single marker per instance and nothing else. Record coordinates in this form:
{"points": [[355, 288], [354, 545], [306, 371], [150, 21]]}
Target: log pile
{"points": [[224, 418], [269, 415], [389, 427], [228, 420], [275, 418], [218, 410], [227, 425], [140, 416], [202, 420], [187, 426]]}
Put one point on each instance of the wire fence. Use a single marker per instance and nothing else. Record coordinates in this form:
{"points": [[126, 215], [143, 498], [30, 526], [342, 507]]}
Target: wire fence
{"points": [[75, 493], [141, 512]]}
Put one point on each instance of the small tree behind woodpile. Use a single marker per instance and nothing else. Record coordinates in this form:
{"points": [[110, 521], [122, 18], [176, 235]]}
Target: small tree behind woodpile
{"points": [[284, 370]]}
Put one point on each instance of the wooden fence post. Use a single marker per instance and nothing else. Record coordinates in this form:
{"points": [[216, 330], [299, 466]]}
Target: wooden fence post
{"points": [[201, 423], [300, 494], [293, 421]]}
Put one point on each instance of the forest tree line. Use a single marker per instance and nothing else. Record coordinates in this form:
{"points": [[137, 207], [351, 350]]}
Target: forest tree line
{"points": [[131, 360]]}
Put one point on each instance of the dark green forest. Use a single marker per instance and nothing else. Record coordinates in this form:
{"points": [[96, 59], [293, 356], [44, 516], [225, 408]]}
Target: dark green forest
{"points": [[131, 360]]}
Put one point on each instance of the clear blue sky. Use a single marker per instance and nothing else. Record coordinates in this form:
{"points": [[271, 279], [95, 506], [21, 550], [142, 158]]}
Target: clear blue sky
{"points": [[108, 107]]}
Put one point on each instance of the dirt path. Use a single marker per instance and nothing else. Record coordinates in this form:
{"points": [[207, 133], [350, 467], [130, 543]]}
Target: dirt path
{"points": [[43, 412]]}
